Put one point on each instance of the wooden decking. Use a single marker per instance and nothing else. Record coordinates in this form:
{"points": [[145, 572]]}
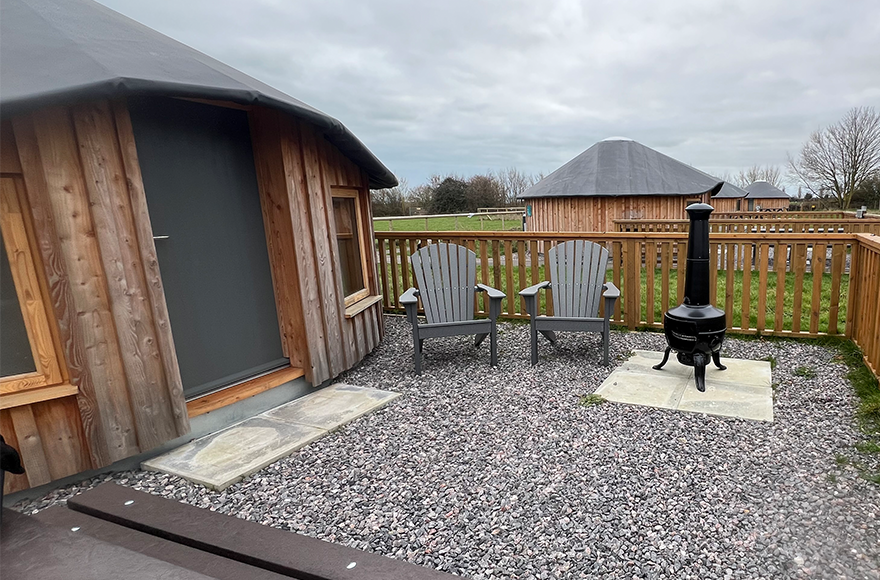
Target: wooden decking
{"points": [[114, 531]]}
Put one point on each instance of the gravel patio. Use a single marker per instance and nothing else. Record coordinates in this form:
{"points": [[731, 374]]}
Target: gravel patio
{"points": [[502, 473]]}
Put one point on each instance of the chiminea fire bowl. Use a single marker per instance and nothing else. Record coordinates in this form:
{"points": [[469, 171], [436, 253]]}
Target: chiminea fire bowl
{"points": [[696, 334]]}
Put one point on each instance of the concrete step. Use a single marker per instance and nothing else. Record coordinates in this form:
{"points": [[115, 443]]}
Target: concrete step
{"points": [[220, 459]]}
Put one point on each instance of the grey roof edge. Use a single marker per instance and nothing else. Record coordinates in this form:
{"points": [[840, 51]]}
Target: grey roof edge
{"points": [[346, 141], [764, 190], [525, 195]]}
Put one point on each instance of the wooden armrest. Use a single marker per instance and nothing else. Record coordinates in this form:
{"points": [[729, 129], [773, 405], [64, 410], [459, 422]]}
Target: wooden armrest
{"points": [[492, 292], [533, 290]]}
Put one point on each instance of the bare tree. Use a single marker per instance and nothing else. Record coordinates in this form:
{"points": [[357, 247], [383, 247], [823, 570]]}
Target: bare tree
{"points": [[746, 177], [514, 183], [390, 201], [837, 160]]}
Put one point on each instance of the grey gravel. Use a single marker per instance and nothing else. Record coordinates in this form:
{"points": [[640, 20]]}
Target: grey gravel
{"points": [[500, 473]]}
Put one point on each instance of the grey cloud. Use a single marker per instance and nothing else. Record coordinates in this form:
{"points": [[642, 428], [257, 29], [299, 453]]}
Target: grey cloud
{"points": [[464, 86]]}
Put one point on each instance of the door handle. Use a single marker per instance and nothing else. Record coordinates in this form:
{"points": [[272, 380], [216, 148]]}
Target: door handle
{"points": [[161, 237]]}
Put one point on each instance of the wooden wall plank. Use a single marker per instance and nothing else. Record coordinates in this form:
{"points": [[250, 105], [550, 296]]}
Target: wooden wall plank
{"points": [[318, 370], [275, 200], [55, 253], [30, 445], [332, 307], [12, 482], [155, 292], [114, 228], [62, 435]]}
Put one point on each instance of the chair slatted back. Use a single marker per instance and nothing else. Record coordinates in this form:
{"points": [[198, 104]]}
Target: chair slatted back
{"points": [[577, 273], [446, 275]]}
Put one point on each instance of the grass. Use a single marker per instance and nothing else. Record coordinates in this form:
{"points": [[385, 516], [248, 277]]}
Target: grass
{"points": [[513, 222], [806, 372], [592, 400]]}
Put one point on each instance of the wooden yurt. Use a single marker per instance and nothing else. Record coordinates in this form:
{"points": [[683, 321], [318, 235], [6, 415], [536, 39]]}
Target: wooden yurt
{"points": [[764, 196], [616, 178], [177, 236], [730, 199]]}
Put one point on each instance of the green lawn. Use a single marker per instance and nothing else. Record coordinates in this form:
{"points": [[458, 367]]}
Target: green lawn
{"points": [[511, 222]]}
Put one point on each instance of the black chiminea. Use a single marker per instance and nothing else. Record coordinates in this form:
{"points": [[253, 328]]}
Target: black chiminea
{"points": [[695, 329]]}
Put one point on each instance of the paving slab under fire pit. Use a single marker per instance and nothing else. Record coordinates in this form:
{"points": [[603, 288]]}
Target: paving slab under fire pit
{"points": [[743, 390]]}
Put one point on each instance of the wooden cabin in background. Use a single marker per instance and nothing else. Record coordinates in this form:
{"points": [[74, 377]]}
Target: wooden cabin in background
{"points": [[176, 236], [763, 196], [616, 179]]}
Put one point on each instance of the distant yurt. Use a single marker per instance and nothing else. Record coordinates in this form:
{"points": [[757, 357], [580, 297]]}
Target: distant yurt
{"points": [[177, 237], [616, 178], [764, 196], [730, 199]]}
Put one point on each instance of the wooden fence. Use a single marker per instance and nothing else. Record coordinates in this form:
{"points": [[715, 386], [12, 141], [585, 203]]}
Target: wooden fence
{"points": [[784, 297], [782, 215], [865, 289], [789, 226]]}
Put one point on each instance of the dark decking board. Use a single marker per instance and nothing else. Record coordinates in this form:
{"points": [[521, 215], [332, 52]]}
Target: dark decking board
{"points": [[247, 542], [153, 546], [33, 550]]}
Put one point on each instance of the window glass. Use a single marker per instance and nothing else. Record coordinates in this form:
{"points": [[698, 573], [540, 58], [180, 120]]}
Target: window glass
{"points": [[15, 349], [348, 243]]}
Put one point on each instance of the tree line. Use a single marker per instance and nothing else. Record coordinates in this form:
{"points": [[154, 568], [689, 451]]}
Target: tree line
{"points": [[454, 194]]}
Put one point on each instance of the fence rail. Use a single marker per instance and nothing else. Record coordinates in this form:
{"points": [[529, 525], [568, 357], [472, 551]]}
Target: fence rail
{"points": [[790, 226], [783, 215], [771, 284], [865, 288]]}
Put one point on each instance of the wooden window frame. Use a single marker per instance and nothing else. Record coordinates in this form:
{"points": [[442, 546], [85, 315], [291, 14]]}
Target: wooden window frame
{"points": [[43, 383], [354, 194]]}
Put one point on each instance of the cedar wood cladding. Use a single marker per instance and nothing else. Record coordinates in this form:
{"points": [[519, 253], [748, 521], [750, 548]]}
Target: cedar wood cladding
{"points": [[297, 170], [597, 214], [77, 168]]}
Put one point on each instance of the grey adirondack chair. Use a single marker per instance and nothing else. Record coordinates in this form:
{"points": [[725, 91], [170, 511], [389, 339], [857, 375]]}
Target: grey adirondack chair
{"points": [[446, 275], [577, 281]]}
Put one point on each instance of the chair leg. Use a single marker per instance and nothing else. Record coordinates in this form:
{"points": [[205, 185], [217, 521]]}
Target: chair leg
{"points": [[606, 338], [550, 335], [534, 342], [493, 346], [417, 351], [605, 341], [479, 338]]}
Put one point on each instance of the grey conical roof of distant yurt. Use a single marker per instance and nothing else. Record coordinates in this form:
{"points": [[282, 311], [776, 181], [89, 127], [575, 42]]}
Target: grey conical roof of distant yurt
{"points": [[764, 190], [620, 167], [77, 50]]}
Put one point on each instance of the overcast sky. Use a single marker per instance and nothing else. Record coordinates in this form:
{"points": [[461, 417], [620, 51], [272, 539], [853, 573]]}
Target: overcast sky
{"points": [[466, 86]]}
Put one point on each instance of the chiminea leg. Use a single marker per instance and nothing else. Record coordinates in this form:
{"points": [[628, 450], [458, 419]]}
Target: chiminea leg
{"points": [[665, 358], [700, 371], [716, 358]]}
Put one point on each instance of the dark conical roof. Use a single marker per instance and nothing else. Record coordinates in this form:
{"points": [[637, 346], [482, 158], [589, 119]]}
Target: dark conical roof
{"points": [[765, 190], [619, 167], [55, 52]]}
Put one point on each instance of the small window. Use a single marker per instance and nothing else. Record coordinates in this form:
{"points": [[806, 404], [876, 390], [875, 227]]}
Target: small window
{"points": [[28, 359], [349, 244]]}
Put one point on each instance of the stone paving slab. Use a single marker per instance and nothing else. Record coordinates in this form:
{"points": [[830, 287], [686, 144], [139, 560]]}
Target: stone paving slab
{"points": [[220, 459], [332, 407], [743, 390]]}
